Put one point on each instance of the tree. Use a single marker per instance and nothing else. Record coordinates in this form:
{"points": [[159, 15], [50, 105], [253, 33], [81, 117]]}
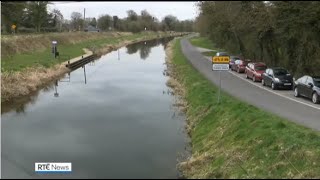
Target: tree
{"points": [[276, 32], [38, 13], [58, 18], [170, 22], [93, 22], [132, 16], [105, 22], [77, 21], [66, 25], [148, 21], [12, 13]]}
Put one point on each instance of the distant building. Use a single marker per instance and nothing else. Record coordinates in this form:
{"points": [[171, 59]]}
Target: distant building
{"points": [[91, 29]]}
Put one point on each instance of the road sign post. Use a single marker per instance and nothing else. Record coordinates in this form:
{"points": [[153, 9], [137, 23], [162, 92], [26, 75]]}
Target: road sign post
{"points": [[220, 63], [13, 27], [54, 48]]}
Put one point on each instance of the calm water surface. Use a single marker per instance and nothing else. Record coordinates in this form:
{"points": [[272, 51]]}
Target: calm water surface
{"points": [[112, 119]]}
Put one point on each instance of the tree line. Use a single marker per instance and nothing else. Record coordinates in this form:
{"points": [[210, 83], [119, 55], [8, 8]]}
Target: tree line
{"points": [[33, 16], [280, 33]]}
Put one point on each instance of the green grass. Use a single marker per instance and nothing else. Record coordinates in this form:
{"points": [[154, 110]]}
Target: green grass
{"points": [[205, 43], [237, 140], [202, 42], [210, 53], [18, 62]]}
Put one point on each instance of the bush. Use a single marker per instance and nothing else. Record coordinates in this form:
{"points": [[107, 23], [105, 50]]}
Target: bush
{"points": [[49, 29], [26, 30]]}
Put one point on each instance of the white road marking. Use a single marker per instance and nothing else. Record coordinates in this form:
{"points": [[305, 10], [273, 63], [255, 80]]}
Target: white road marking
{"points": [[261, 87]]}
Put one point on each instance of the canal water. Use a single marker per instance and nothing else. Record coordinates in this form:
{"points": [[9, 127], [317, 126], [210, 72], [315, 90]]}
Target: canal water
{"points": [[112, 118]]}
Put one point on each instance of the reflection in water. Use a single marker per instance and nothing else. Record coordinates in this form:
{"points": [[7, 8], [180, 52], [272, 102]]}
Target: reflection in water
{"points": [[145, 47], [92, 63], [67, 79], [19, 104], [84, 72], [133, 48], [21, 109], [117, 126], [56, 94]]}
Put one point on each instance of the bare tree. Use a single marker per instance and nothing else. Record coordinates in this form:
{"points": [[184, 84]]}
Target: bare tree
{"points": [[76, 21]]}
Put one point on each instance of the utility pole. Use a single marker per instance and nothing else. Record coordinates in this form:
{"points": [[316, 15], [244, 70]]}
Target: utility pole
{"points": [[84, 18]]}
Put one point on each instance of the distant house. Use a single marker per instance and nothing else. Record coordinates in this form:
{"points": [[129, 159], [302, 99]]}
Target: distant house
{"points": [[91, 29]]}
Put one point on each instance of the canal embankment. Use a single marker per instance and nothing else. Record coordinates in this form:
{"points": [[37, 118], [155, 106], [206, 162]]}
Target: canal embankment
{"points": [[233, 139], [26, 68]]}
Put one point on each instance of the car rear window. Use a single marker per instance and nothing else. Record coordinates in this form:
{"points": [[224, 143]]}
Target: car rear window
{"points": [[316, 81], [260, 68], [280, 72]]}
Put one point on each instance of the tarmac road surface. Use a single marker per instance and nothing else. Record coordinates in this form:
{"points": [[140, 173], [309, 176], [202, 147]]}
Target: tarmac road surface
{"points": [[280, 102]]}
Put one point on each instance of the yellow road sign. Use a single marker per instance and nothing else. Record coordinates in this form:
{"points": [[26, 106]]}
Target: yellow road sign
{"points": [[13, 26], [221, 59]]}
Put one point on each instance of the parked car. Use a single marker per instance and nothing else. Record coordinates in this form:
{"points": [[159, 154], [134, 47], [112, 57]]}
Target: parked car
{"points": [[239, 65], [309, 87], [277, 77], [232, 60], [255, 70], [222, 54]]}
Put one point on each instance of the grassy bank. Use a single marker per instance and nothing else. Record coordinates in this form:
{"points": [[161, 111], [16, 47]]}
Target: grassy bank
{"points": [[26, 72], [205, 43], [202, 42], [237, 140], [24, 52]]}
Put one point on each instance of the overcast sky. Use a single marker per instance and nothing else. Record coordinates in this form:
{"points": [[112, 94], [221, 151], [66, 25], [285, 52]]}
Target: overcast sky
{"points": [[159, 9]]}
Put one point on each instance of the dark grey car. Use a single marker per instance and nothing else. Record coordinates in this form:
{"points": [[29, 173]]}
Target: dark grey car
{"points": [[309, 87], [232, 60], [277, 77]]}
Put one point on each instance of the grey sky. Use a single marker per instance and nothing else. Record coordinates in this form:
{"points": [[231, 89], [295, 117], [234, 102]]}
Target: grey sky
{"points": [[159, 9]]}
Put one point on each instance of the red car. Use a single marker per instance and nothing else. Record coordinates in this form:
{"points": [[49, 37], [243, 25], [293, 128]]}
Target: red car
{"points": [[239, 65], [255, 70]]}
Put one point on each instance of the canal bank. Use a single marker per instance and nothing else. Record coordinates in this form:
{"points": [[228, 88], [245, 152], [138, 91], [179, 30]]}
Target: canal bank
{"points": [[117, 119], [15, 84], [237, 140]]}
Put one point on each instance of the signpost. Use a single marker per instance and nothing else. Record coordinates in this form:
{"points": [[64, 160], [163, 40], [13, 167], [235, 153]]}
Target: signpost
{"points": [[54, 48], [14, 28], [220, 63]]}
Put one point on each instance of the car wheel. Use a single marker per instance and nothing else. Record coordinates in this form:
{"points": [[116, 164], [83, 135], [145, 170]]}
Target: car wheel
{"points": [[315, 98], [296, 92], [263, 83], [254, 79], [273, 86]]}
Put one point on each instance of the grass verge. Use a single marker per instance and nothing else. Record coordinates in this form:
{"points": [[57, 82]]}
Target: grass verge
{"points": [[237, 140], [210, 53], [202, 42], [43, 56], [26, 73], [205, 43]]}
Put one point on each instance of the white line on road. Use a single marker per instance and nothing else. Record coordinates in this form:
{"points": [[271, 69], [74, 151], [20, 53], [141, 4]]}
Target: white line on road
{"points": [[269, 89], [275, 92]]}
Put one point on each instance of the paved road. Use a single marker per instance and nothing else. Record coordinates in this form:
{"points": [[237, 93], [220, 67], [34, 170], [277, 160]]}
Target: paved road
{"points": [[280, 102]]}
